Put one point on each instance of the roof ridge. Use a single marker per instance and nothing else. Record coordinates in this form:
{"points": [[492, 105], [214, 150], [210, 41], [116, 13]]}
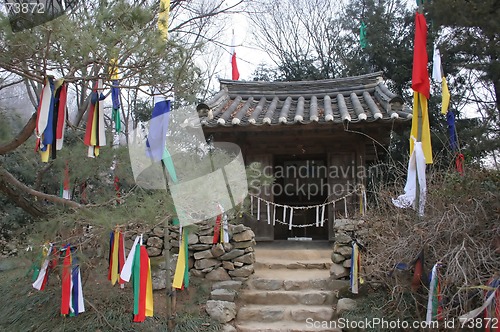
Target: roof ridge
{"points": [[370, 76]]}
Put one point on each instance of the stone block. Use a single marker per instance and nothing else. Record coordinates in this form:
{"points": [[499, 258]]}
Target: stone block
{"points": [[246, 258], [203, 254], [244, 236], [204, 263], [243, 271], [232, 254], [221, 311], [218, 274], [218, 250], [223, 295]]}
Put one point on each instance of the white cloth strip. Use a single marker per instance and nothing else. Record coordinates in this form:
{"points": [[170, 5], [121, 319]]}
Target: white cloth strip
{"points": [[274, 215], [251, 205], [127, 267], [225, 228], [290, 225], [268, 214], [317, 216], [345, 207], [258, 208], [43, 270], [81, 302], [428, 317], [333, 212], [322, 215], [474, 313], [284, 213]]}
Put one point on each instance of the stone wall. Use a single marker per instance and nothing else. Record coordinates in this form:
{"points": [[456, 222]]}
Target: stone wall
{"points": [[217, 262], [345, 230]]}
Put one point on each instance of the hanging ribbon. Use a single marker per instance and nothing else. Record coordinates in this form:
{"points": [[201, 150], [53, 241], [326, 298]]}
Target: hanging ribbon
{"points": [[419, 271], [492, 311], [323, 215], [362, 35], [355, 279], [45, 119], [274, 214], [66, 281], [65, 192], [126, 272], [115, 95], [95, 133], [251, 205], [258, 208], [51, 118], [459, 163], [284, 213], [143, 290], [433, 304], [60, 105], [116, 183], [225, 228], [43, 274], [180, 268], [345, 207], [317, 216], [77, 301], [268, 214], [290, 224], [116, 257], [450, 119]]}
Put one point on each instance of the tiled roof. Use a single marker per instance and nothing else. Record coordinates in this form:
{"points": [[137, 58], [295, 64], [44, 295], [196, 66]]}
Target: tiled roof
{"points": [[355, 99]]}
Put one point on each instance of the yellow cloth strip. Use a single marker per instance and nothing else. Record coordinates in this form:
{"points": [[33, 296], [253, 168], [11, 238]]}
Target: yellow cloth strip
{"points": [[355, 271], [420, 100], [114, 265], [45, 154], [181, 266], [113, 69], [149, 293], [163, 18], [93, 133], [445, 103], [57, 84]]}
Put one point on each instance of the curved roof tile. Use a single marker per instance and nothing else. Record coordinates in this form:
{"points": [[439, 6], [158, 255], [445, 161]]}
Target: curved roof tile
{"points": [[362, 98]]}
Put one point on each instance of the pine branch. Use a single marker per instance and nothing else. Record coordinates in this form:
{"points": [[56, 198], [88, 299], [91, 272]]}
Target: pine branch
{"points": [[22, 137]]}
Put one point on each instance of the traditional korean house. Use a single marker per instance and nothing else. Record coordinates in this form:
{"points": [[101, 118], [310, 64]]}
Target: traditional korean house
{"points": [[316, 138]]}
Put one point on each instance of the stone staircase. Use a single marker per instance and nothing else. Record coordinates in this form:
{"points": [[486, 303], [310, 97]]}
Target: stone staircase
{"points": [[291, 289]]}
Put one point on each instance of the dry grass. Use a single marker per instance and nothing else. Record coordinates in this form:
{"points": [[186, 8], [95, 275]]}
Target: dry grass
{"points": [[461, 229]]}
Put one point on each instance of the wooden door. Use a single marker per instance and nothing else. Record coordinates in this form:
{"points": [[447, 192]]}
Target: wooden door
{"points": [[263, 230]]}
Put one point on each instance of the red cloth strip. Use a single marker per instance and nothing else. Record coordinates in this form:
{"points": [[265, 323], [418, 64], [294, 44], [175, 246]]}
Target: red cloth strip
{"points": [[121, 256], [141, 316], [62, 111], [111, 245], [217, 229], [459, 163], [66, 283]]}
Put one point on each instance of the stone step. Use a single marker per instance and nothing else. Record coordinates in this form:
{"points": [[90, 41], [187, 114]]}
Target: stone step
{"points": [[317, 326], [300, 282], [307, 297], [287, 274], [293, 264], [273, 313]]}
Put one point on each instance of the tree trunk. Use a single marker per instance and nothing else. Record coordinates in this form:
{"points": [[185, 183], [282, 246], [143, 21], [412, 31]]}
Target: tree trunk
{"points": [[22, 137], [15, 197], [9, 179]]}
